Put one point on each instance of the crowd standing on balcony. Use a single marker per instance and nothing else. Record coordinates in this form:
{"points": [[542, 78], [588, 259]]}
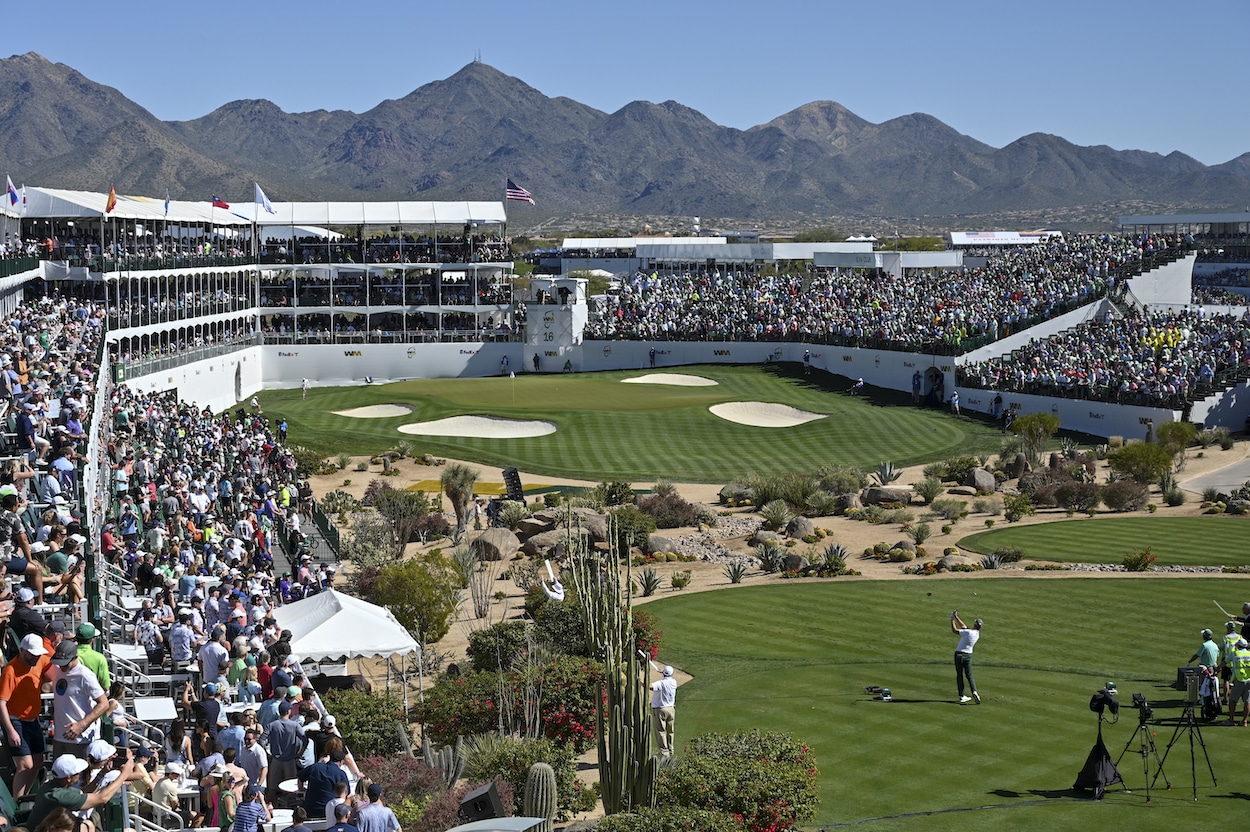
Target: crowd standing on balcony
{"points": [[915, 311]]}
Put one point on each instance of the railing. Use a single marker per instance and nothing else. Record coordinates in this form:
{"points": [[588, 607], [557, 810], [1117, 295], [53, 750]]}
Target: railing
{"points": [[10, 266], [142, 367], [149, 316], [423, 336], [137, 262], [327, 528]]}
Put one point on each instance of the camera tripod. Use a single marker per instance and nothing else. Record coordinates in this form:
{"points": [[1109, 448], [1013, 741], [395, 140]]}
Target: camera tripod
{"points": [[1189, 724], [1146, 748]]}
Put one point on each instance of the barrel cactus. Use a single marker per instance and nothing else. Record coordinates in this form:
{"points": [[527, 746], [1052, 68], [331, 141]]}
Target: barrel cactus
{"points": [[540, 794]]}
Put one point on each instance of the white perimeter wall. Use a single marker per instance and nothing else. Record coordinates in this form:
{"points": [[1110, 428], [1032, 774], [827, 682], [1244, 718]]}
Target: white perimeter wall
{"points": [[216, 383], [1170, 285]]}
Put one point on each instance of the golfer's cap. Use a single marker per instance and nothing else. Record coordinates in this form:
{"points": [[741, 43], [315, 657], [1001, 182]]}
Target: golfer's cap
{"points": [[978, 623], [1228, 625], [65, 653], [85, 632], [668, 670], [99, 750], [1109, 686], [67, 765], [174, 768], [33, 644], [1205, 633], [328, 721]]}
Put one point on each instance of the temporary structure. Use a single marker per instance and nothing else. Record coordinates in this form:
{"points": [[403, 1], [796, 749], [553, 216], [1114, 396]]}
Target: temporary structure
{"points": [[333, 626]]}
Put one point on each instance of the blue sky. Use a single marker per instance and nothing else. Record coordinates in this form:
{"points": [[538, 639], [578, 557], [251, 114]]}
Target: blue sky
{"points": [[1145, 75]]}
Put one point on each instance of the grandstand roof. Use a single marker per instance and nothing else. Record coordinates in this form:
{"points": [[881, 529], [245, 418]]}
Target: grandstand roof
{"points": [[62, 204], [1185, 219], [999, 238]]}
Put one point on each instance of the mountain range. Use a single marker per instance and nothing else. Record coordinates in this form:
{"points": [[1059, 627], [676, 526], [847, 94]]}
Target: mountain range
{"points": [[461, 137]]}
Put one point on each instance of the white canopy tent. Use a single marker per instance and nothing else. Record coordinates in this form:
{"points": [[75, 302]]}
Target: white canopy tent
{"points": [[332, 625], [371, 213], [63, 204]]}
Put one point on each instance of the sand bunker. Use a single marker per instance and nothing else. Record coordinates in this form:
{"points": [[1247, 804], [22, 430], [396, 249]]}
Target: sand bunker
{"points": [[763, 414], [485, 427], [376, 411], [675, 379]]}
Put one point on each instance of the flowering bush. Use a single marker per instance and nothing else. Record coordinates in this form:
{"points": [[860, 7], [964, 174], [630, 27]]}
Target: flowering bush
{"points": [[768, 780], [366, 720], [510, 758], [417, 794], [467, 704]]}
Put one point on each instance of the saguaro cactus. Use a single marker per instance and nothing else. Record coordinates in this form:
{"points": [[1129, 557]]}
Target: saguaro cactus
{"points": [[540, 794], [626, 766], [447, 761]]}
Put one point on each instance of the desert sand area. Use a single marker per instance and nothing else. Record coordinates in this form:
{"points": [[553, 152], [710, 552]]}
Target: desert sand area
{"points": [[672, 379], [764, 414], [485, 427], [376, 411]]}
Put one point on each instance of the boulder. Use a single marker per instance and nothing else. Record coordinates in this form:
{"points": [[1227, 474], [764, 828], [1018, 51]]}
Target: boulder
{"points": [[846, 502], [660, 543], [552, 543], [735, 491], [905, 544], [765, 536], [597, 525], [981, 480], [878, 494], [949, 561], [527, 527], [800, 527], [495, 544], [1237, 507], [962, 491], [792, 562]]}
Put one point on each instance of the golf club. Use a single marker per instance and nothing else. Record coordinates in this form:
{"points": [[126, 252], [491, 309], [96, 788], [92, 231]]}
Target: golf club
{"points": [[967, 598], [1226, 612]]}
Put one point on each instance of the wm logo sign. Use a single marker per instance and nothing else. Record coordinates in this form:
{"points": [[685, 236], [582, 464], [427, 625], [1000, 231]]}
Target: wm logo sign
{"points": [[720, 352], [352, 353]]}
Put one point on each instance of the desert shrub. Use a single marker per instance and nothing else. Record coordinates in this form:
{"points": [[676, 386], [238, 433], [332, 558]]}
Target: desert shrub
{"points": [[1211, 494], [1205, 438], [648, 582], [366, 720], [821, 504], [991, 562], [958, 468], [992, 506], [633, 527], [919, 533], [433, 526], [776, 514], [512, 512], [613, 493], [1008, 554], [1016, 506], [770, 555], [793, 489], [834, 557], [1174, 497], [680, 579], [1139, 561], [930, 488], [897, 515], [670, 510], [1078, 496], [338, 502], [511, 759], [670, 819], [735, 570], [841, 479], [767, 779], [307, 461], [1039, 478], [1126, 495], [443, 812], [501, 645], [1141, 461], [949, 508]]}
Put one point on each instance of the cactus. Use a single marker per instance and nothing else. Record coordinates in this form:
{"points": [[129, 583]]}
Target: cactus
{"points": [[447, 761], [627, 767], [540, 795]]}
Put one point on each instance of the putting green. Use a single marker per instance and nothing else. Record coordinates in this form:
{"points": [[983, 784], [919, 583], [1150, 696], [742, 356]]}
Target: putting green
{"points": [[796, 657], [609, 430]]}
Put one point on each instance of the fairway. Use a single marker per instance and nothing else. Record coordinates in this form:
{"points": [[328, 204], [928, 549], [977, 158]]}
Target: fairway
{"points": [[796, 658], [1175, 541], [609, 430]]}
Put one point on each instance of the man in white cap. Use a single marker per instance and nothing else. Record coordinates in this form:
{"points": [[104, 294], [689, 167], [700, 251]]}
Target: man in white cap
{"points": [[78, 702], [63, 789], [968, 637], [165, 792], [20, 704], [664, 710]]}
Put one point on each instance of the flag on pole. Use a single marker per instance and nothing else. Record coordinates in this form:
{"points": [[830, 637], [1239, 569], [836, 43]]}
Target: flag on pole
{"points": [[112, 200], [516, 193], [262, 200], [12, 190], [167, 202], [218, 202]]}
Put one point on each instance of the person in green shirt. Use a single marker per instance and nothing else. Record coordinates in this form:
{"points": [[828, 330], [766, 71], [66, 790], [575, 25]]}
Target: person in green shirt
{"points": [[89, 657]]}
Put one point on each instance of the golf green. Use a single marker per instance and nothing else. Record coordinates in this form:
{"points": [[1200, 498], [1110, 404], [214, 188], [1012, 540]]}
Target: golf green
{"points": [[609, 430], [797, 657], [1175, 541]]}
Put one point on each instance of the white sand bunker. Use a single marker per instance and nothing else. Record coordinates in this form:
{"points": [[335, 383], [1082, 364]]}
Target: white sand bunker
{"points": [[764, 414], [674, 379], [376, 411], [485, 427]]}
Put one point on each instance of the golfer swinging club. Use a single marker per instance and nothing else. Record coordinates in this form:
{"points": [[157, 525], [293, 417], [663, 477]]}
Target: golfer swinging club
{"points": [[963, 656]]}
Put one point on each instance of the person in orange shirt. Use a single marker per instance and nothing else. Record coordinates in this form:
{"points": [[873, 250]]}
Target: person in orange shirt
{"points": [[24, 731]]}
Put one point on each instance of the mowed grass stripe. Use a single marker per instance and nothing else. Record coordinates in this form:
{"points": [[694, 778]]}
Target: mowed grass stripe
{"points": [[638, 432], [796, 657], [1178, 541]]}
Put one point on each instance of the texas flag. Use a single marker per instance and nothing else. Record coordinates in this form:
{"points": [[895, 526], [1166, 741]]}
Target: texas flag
{"points": [[218, 202], [12, 190]]}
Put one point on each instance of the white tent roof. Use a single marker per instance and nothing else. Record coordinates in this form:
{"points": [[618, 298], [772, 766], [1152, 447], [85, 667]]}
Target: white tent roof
{"points": [[52, 202], [372, 213], [286, 232], [330, 625]]}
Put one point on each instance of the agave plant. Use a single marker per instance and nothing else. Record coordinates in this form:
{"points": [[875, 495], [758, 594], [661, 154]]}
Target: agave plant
{"points": [[770, 555], [834, 557], [886, 473], [776, 515], [736, 570]]}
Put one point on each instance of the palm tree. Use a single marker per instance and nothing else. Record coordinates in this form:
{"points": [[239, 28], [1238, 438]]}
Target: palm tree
{"points": [[458, 481]]}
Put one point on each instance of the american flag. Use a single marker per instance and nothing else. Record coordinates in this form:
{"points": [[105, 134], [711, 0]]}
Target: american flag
{"points": [[516, 193]]}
